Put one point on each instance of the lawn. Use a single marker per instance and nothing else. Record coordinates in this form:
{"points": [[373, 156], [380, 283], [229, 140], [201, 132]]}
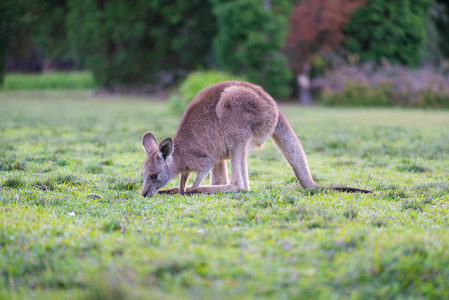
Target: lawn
{"points": [[79, 80], [91, 235]]}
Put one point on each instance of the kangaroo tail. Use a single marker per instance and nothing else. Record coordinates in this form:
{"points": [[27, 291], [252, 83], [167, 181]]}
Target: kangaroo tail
{"points": [[290, 146], [348, 189]]}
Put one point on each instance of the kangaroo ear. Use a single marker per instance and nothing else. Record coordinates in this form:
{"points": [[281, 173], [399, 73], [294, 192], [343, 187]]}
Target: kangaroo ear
{"points": [[166, 148], [149, 142]]}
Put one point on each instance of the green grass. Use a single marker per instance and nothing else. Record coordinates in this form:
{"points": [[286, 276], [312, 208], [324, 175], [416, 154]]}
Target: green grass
{"points": [[49, 81], [90, 235]]}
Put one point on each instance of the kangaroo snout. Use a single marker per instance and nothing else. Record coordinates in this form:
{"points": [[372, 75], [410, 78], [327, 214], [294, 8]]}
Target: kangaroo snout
{"points": [[146, 193]]}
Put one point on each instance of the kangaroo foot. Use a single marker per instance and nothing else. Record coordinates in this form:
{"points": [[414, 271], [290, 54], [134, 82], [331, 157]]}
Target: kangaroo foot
{"points": [[171, 191]]}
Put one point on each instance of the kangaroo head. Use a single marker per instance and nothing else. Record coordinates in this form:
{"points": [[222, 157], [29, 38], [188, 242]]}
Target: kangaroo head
{"points": [[156, 172]]}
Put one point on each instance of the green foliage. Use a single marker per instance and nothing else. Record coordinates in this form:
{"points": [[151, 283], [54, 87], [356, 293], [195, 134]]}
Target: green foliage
{"points": [[249, 40], [275, 241], [194, 83], [394, 30], [49, 81], [142, 43], [129, 43]]}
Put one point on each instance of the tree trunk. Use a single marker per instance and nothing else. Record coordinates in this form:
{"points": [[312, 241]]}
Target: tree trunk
{"points": [[304, 86]]}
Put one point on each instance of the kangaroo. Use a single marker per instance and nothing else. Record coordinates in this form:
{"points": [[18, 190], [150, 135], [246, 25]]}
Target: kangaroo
{"points": [[224, 121]]}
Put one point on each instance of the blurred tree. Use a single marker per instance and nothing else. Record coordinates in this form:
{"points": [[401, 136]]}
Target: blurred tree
{"points": [[250, 36], [130, 42], [50, 31], [316, 26], [442, 25], [15, 26], [31, 27], [433, 51], [394, 30]]}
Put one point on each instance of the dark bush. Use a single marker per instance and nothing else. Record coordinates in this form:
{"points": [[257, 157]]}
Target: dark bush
{"points": [[249, 40], [128, 43], [393, 30]]}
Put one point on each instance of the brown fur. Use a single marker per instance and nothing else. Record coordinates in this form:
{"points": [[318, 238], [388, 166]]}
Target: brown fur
{"points": [[224, 121]]}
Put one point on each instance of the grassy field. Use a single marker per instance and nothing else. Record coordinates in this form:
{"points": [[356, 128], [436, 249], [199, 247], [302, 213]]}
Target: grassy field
{"points": [[49, 81], [90, 235]]}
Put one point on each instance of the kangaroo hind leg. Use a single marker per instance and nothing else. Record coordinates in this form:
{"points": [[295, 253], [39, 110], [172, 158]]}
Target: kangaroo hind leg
{"points": [[239, 175], [219, 174], [239, 169]]}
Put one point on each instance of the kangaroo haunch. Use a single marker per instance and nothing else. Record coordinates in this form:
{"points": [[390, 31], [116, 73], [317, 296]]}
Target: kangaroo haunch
{"points": [[224, 121]]}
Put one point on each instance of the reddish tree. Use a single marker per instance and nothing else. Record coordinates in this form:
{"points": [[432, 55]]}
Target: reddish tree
{"points": [[317, 26]]}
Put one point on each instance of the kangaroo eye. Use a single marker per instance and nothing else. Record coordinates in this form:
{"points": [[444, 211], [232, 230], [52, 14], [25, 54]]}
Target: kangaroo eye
{"points": [[153, 176]]}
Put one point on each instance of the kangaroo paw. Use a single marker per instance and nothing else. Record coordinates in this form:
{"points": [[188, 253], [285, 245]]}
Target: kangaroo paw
{"points": [[169, 191], [212, 189], [195, 191]]}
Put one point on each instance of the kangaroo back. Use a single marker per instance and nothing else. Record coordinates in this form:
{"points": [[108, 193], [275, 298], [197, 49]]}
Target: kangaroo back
{"points": [[290, 146]]}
